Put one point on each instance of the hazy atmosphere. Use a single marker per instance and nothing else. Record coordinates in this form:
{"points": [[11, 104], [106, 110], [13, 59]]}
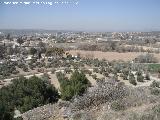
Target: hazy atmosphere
{"points": [[87, 15]]}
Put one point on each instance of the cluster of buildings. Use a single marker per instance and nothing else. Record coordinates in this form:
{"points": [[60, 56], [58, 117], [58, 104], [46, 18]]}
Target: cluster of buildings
{"points": [[51, 38]]}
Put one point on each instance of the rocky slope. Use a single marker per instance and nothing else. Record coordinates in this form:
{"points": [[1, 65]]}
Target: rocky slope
{"points": [[108, 100]]}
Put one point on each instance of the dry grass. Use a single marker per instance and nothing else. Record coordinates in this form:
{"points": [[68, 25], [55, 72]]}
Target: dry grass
{"points": [[128, 56]]}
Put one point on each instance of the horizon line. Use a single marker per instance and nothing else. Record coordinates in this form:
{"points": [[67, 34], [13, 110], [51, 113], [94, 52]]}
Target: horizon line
{"points": [[78, 30]]}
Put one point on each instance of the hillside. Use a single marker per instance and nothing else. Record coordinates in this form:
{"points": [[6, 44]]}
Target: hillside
{"points": [[108, 100]]}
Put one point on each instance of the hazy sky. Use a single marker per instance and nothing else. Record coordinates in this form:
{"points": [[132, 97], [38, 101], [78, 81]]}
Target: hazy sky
{"points": [[88, 15]]}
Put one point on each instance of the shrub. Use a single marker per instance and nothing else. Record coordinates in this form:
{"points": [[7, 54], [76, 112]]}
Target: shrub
{"points": [[147, 77], [155, 84], [26, 94], [25, 68], [86, 71], [31, 67], [95, 70], [125, 72], [15, 72], [68, 70], [132, 79], [156, 109], [147, 117], [106, 74], [117, 105], [6, 111], [121, 75], [138, 73], [94, 76], [140, 78], [155, 91], [77, 85], [125, 77]]}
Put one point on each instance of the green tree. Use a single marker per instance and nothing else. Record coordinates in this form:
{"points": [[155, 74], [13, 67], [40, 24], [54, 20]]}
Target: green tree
{"points": [[25, 94], [76, 85], [6, 111]]}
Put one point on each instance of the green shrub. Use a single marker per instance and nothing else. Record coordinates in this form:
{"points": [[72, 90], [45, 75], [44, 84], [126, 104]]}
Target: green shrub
{"points": [[132, 79], [140, 78], [26, 94], [77, 85]]}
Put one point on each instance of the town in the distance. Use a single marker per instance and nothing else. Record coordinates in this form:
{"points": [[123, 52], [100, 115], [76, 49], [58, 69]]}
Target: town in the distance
{"points": [[77, 75]]}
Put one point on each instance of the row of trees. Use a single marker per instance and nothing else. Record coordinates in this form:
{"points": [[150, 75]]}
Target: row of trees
{"points": [[116, 47], [147, 58], [132, 78]]}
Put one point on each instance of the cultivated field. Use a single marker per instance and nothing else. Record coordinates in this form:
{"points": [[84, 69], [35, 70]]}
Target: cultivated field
{"points": [[128, 56]]}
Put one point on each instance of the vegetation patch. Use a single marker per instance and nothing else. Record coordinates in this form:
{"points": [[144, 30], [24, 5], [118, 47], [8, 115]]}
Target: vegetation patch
{"points": [[25, 94], [154, 67], [76, 85]]}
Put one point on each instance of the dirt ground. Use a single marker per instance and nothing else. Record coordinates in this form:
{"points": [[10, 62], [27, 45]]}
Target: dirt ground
{"points": [[128, 56]]}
